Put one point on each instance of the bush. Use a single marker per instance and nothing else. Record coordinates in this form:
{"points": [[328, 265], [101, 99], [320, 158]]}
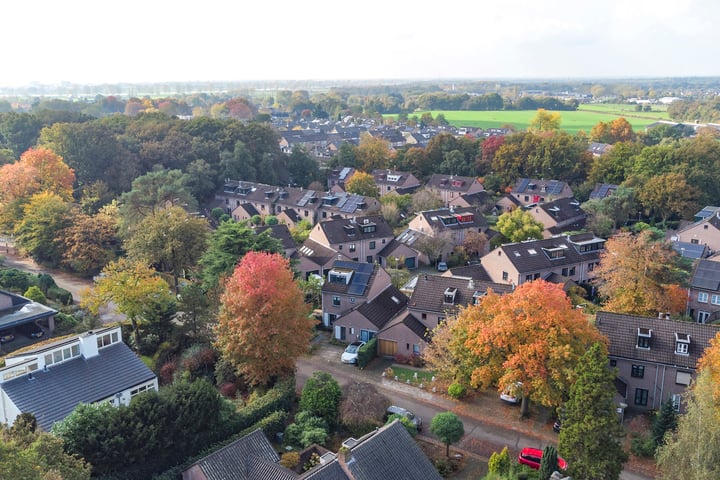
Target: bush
{"points": [[35, 294], [367, 352], [65, 323], [500, 462], [60, 295], [45, 282], [17, 280], [401, 359], [445, 466], [290, 460], [280, 397], [457, 390], [270, 425], [643, 446]]}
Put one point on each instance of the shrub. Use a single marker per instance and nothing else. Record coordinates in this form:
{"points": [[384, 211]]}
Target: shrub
{"points": [[445, 466], [280, 397], [45, 282], [60, 295], [167, 372], [401, 359], [229, 390], [35, 294], [457, 390], [367, 352], [312, 436], [17, 280], [643, 446], [271, 425], [290, 460], [312, 461], [64, 322], [417, 361], [500, 462]]}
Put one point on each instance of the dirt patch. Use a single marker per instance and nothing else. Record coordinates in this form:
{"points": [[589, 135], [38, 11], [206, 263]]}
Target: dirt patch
{"points": [[466, 467]]}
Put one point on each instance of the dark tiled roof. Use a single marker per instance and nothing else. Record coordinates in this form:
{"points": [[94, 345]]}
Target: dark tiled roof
{"points": [[713, 220], [453, 183], [329, 471], [429, 292], [533, 256], [449, 219], [476, 272], [54, 394], [346, 230], [478, 198], [622, 331], [248, 458], [416, 326], [690, 250], [533, 185], [383, 307], [249, 209], [706, 276], [279, 231], [356, 282], [563, 209]]}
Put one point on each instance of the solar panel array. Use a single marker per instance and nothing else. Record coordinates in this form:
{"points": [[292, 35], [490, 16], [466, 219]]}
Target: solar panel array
{"points": [[360, 278], [344, 173], [350, 205], [523, 184], [555, 187], [306, 198], [707, 276]]}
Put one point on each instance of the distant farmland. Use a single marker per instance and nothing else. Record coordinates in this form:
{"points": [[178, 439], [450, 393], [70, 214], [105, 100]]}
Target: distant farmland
{"points": [[583, 119]]}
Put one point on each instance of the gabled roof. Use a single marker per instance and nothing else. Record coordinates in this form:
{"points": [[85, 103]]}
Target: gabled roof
{"points": [[248, 458], [476, 272], [603, 190], [384, 307], [535, 255], [395, 178], [455, 183], [536, 186], [454, 219], [248, 208], [690, 250], [280, 232], [706, 276], [622, 331], [362, 277], [53, 394], [713, 220], [429, 292], [563, 209], [341, 230]]}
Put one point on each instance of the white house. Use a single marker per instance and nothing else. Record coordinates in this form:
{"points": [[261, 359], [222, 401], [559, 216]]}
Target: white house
{"points": [[51, 380]]}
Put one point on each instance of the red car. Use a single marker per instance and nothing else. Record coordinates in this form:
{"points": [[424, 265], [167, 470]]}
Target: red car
{"points": [[531, 457]]}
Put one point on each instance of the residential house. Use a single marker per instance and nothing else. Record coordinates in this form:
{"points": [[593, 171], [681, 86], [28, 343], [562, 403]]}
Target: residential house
{"points": [[531, 190], [572, 257], [434, 298], [281, 232], [386, 452], [16, 310], [703, 232], [360, 238], [707, 211], [315, 259], [244, 212], [364, 321], [656, 358], [690, 250], [506, 203], [704, 292], [558, 216], [350, 284], [603, 190], [50, 380], [450, 224], [338, 203], [450, 187], [389, 181], [482, 201], [397, 254], [597, 148], [338, 176]]}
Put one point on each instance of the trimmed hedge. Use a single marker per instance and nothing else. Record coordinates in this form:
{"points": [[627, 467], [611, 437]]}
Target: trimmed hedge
{"points": [[279, 398], [60, 295], [367, 352]]}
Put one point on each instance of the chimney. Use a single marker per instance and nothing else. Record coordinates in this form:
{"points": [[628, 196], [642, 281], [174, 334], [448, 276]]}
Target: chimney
{"points": [[88, 345]]}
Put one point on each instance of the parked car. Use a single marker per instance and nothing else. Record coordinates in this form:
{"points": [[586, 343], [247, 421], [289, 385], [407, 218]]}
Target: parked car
{"points": [[532, 457], [442, 267], [512, 394], [350, 355], [31, 330], [395, 410], [6, 336], [557, 426]]}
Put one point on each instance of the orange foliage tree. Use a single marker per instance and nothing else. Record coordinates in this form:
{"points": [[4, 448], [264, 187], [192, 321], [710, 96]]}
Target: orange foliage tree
{"points": [[533, 336], [638, 275], [263, 325], [52, 172], [710, 364]]}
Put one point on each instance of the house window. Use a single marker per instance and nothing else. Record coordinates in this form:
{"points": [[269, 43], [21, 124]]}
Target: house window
{"points": [[683, 378], [339, 247], [336, 300], [416, 348], [306, 213], [676, 401], [423, 316], [141, 389], [715, 299], [366, 335], [572, 271], [352, 330], [641, 396], [613, 363], [591, 266], [682, 348], [637, 371], [703, 316], [352, 299], [695, 241], [528, 278], [352, 247], [372, 245], [324, 214], [565, 272], [643, 338], [441, 320], [702, 297], [504, 276], [369, 259]]}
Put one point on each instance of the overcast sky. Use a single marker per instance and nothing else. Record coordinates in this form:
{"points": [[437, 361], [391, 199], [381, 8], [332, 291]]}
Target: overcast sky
{"points": [[85, 41]]}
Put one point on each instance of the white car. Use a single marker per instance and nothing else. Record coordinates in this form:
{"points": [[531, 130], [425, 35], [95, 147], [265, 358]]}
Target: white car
{"points": [[512, 394], [350, 355]]}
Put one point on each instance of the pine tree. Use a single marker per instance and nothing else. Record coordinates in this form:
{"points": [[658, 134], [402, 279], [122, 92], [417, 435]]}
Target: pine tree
{"points": [[548, 462], [589, 439], [665, 420]]}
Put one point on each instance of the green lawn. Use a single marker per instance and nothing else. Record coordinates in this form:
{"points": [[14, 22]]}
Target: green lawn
{"points": [[405, 374], [572, 122]]}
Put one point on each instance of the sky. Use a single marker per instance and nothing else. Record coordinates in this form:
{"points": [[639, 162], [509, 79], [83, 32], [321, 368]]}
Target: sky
{"points": [[90, 42]]}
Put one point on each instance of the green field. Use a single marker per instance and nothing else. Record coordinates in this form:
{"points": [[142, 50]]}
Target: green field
{"points": [[583, 119]]}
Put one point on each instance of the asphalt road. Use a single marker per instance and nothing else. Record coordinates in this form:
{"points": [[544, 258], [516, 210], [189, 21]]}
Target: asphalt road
{"points": [[481, 438]]}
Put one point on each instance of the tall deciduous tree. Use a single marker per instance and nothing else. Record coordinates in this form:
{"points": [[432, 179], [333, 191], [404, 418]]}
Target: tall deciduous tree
{"points": [[91, 241], [362, 406], [263, 324], [519, 225], [545, 121], [448, 428], [362, 183], [52, 173], [44, 216], [667, 195], [135, 288], [372, 153], [172, 240], [637, 273], [532, 335], [589, 439]]}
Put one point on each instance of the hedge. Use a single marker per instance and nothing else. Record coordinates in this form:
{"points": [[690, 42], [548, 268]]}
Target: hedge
{"points": [[367, 352], [281, 397]]}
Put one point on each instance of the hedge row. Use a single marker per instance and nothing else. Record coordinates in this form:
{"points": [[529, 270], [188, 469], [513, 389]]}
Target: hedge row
{"points": [[19, 281], [279, 398], [367, 352]]}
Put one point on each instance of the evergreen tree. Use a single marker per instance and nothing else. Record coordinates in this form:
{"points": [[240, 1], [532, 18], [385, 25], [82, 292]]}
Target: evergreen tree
{"points": [[590, 432], [665, 420], [548, 462]]}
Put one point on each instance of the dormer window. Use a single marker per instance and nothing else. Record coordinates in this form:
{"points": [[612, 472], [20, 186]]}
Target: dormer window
{"points": [[682, 343], [449, 296], [340, 276], [643, 338], [476, 297]]}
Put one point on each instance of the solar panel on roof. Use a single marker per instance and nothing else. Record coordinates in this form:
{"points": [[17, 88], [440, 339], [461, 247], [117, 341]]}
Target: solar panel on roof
{"points": [[344, 173], [554, 187], [305, 199], [349, 206], [523, 184], [342, 202]]}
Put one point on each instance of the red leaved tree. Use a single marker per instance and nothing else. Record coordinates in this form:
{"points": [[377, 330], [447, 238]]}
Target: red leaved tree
{"points": [[263, 325]]}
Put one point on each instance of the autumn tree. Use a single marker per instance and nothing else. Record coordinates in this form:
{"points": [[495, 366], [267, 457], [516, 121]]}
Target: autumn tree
{"points": [[263, 325], [533, 336], [362, 183], [589, 438], [52, 173], [448, 428], [172, 240], [361, 406], [91, 241], [668, 195], [545, 121], [618, 130], [638, 275], [424, 200], [519, 225], [44, 216], [372, 153], [475, 243], [433, 246], [134, 287]]}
